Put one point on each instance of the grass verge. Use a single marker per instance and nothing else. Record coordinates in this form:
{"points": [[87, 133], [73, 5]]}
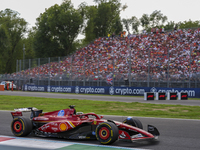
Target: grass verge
{"points": [[102, 107]]}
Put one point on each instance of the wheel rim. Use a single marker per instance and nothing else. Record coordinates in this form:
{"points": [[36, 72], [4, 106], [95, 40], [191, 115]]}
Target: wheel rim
{"points": [[17, 126], [104, 133]]}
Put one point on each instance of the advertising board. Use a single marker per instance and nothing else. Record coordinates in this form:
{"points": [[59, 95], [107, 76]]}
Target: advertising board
{"points": [[131, 91]]}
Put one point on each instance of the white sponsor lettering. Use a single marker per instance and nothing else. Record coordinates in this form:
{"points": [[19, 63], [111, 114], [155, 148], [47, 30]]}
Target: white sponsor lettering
{"points": [[128, 91], [92, 90], [44, 127], [35, 88], [122, 135], [81, 137], [190, 92], [38, 118], [54, 129], [61, 89]]}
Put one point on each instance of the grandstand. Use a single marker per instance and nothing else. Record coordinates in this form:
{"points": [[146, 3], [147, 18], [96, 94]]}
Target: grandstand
{"points": [[170, 59]]}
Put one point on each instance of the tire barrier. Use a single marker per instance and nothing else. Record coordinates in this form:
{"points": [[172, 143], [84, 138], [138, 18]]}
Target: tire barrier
{"points": [[165, 96]]}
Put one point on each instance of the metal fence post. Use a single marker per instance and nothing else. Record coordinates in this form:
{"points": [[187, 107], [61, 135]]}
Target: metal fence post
{"points": [[71, 70], [23, 55], [49, 73], [29, 66], [19, 85], [129, 74], [190, 66], [168, 68], [59, 72], [84, 68], [17, 66], [38, 66], [113, 80], [98, 69], [148, 67]]}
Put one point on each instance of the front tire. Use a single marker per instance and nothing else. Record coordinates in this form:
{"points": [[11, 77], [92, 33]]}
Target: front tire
{"points": [[133, 122], [107, 133], [21, 126]]}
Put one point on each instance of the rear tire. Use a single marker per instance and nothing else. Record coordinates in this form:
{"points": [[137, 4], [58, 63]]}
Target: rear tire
{"points": [[21, 126], [107, 133], [133, 122]]}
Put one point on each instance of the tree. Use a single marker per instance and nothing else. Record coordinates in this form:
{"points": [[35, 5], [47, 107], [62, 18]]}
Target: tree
{"points": [[157, 18], [28, 43], [12, 30], [107, 17], [189, 24], [90, 14], [57, 28], [145, 20], [170, 25], [117, 27], [134, 22], [127, 23]]}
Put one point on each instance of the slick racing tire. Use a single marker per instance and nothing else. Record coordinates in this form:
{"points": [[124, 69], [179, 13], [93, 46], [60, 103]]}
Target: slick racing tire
{"points": [[21, 126], [133, 122], [107, 133]]}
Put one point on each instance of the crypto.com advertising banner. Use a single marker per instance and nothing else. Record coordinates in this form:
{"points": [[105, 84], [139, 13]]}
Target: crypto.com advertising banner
{"points": [[136, 91]]}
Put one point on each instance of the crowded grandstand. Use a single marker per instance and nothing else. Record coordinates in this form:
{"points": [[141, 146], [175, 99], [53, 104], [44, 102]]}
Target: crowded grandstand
{"points": [[156, 56]]}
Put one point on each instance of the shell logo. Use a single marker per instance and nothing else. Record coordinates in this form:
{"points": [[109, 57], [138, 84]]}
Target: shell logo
{"points": [[63, 127]]}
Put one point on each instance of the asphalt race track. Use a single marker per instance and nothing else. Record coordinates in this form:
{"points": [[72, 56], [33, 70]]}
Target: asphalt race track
{"points": [[176, 134]]}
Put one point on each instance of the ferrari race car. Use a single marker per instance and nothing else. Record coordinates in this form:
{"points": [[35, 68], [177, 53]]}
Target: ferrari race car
{"points": [[68, 124]]}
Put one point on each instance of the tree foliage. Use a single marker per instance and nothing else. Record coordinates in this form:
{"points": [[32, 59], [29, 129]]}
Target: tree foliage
{"points": [[188, 24], [145, 20], [156, 18], [102, 19], [57, 29], [12, 30], [133, 22]]}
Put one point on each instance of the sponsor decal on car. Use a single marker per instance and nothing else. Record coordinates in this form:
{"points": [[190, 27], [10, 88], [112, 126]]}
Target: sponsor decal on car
{"points": [[38, 118], [63, 127], [54, 129], [122, 135], [82, 137], [53, 124], [44, 127]]}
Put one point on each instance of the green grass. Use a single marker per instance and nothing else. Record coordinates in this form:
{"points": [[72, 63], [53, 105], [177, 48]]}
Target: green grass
{"points": [[102, 107]]}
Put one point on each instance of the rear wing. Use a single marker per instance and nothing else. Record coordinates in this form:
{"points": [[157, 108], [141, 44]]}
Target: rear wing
{"points": [[18, 111], [25, 109]]}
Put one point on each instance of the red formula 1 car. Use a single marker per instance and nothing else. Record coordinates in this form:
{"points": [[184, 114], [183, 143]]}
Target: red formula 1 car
{"points": [[68, 124]]}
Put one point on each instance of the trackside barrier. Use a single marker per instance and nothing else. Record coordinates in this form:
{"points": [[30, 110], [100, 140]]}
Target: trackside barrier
{"points": [[148, 96], [171, 96], [182, 96], [1, 87], [162, 96], [129, 91]]}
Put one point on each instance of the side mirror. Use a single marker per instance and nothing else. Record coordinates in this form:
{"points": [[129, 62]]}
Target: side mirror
{"points": [[101, 116]]}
